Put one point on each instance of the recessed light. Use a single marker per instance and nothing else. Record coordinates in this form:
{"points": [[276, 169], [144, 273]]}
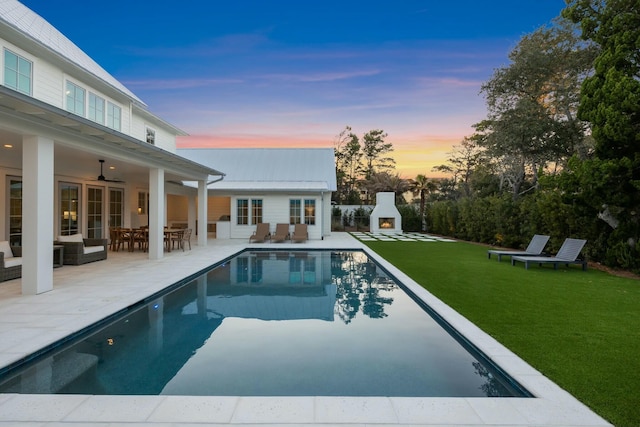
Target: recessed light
{"points": [[112, 167], [8, 146]]}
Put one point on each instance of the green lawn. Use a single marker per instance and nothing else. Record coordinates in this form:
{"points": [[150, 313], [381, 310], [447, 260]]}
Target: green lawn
{"points": [[580, 329]]}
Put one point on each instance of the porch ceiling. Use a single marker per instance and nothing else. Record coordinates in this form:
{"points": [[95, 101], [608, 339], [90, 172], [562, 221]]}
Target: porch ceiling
{"points": [[80, 143]]}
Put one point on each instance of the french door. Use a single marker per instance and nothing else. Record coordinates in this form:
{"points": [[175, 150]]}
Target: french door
{"points": [[69, 208], [95, 212]]}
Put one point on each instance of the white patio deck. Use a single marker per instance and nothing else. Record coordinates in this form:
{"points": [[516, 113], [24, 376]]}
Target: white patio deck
{"points": [[85, 294]]}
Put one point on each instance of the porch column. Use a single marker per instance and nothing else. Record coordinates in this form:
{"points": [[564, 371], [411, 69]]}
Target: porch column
{"points": [[202, 213], [191, 212], [156, 213], [37, 215]]}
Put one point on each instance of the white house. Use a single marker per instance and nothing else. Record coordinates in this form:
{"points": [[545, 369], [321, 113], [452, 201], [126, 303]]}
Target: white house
{"points": [[273, 185], [61, 114]]}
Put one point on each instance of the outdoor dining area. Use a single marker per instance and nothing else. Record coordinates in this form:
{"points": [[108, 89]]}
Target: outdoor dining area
{"points": [[138, 238]]}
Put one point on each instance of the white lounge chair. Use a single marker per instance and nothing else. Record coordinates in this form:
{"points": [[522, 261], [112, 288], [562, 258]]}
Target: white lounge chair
{"points": [[535, 247], [568, 254]]}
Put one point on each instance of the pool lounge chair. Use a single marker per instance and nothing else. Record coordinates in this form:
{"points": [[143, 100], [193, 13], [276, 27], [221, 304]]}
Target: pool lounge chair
{"points": [[261, 234], [281, 234], [536, 245], [300, 233], [568, 254]]}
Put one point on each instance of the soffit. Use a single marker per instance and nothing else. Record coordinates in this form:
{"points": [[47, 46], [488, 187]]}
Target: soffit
{"points": [[24, 115]]}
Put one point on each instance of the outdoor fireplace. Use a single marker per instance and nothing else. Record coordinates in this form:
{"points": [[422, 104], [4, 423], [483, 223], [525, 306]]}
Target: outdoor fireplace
{"points": [[385, 217], [386, 223]]}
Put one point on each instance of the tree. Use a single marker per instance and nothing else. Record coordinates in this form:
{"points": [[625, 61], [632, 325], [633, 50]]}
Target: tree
{"points": [[462, 163], [610, 101], [384, 181], [348, 165], [532, 121], [421, 186], [375, 150], [611, 97], [356, 163]]}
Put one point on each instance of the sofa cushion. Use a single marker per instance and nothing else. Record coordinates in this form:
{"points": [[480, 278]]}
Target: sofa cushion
{"points": [[6, 248], [92, 249], [12, 262], [72, 238]]}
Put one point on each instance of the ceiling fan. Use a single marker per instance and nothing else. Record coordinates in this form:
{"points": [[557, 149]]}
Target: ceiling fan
{"points": [[101, 176]]}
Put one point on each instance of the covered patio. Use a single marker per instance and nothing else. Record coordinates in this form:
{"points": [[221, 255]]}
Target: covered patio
{"points": [[46, 150]]}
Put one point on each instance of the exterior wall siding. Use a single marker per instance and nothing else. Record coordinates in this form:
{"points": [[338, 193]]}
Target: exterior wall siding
{"points": [[275, 209], [48, 85]]}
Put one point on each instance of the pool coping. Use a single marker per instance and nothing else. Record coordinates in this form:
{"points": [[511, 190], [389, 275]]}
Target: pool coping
{"points": [[551, 406]]}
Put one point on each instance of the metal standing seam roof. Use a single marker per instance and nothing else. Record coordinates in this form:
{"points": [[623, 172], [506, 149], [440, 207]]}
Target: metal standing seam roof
{"points": [[33, 25], [278, 169]]}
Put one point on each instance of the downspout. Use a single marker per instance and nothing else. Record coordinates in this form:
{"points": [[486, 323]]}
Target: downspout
{"points": [[216, 180], [322, 215]]}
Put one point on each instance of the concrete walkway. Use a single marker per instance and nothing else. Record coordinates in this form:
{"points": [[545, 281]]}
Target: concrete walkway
{"points": [[85, 294]]}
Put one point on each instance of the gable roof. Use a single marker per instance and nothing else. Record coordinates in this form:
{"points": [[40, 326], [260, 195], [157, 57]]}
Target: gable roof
{"points": [[269, 169], [32, 25]]}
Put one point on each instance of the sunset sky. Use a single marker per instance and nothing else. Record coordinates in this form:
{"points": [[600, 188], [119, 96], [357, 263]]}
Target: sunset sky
{"points": [[270, 73]]}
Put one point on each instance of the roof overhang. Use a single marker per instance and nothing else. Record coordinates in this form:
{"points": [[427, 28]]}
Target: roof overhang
{"points": [[25, 115], [268, 186]]}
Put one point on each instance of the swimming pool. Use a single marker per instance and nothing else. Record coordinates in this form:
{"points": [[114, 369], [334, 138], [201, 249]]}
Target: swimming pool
{"points": [[316, 323]]}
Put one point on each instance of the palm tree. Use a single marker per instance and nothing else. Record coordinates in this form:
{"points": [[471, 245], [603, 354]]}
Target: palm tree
{"points": [[421, 186]]}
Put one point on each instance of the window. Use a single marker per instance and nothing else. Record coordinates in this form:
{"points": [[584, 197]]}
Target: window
{"points": [[69, 215], [151, 136], [96, 108], [256, 211], [75, 99], [94, 212], [310, 211], [243, 211], [294, 211], [143, 202], [17, 72], [15, 212], [116, 207], [114, 115]]}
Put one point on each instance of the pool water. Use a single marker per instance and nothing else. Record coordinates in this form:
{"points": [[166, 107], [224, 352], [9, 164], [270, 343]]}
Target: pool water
{"points": [[314, 323]]}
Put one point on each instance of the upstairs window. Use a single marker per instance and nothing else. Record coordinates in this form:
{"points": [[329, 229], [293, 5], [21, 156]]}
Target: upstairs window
{"points": [[75, 99], [96, 108], [17, 72], [114, 114], [150, 136]]}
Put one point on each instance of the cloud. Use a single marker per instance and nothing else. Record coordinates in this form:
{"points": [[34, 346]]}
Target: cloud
{"points": [[314, 77], [172, 84]]}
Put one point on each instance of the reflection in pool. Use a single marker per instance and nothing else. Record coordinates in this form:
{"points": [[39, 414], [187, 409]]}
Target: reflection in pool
{"points": [[315, 323]]}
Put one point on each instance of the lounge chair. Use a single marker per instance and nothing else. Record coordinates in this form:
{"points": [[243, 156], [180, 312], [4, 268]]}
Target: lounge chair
{"points": [[261, 234], [568, 254], [300, 233], [536, 245], [281, 234]]}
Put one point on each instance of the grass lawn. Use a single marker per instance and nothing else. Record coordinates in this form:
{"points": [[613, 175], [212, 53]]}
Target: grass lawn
{"points": [[580, 329]]}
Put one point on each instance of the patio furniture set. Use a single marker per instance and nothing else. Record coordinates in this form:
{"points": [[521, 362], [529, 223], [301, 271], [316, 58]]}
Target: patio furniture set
{"points": [[130, 237], [66, 250]]}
